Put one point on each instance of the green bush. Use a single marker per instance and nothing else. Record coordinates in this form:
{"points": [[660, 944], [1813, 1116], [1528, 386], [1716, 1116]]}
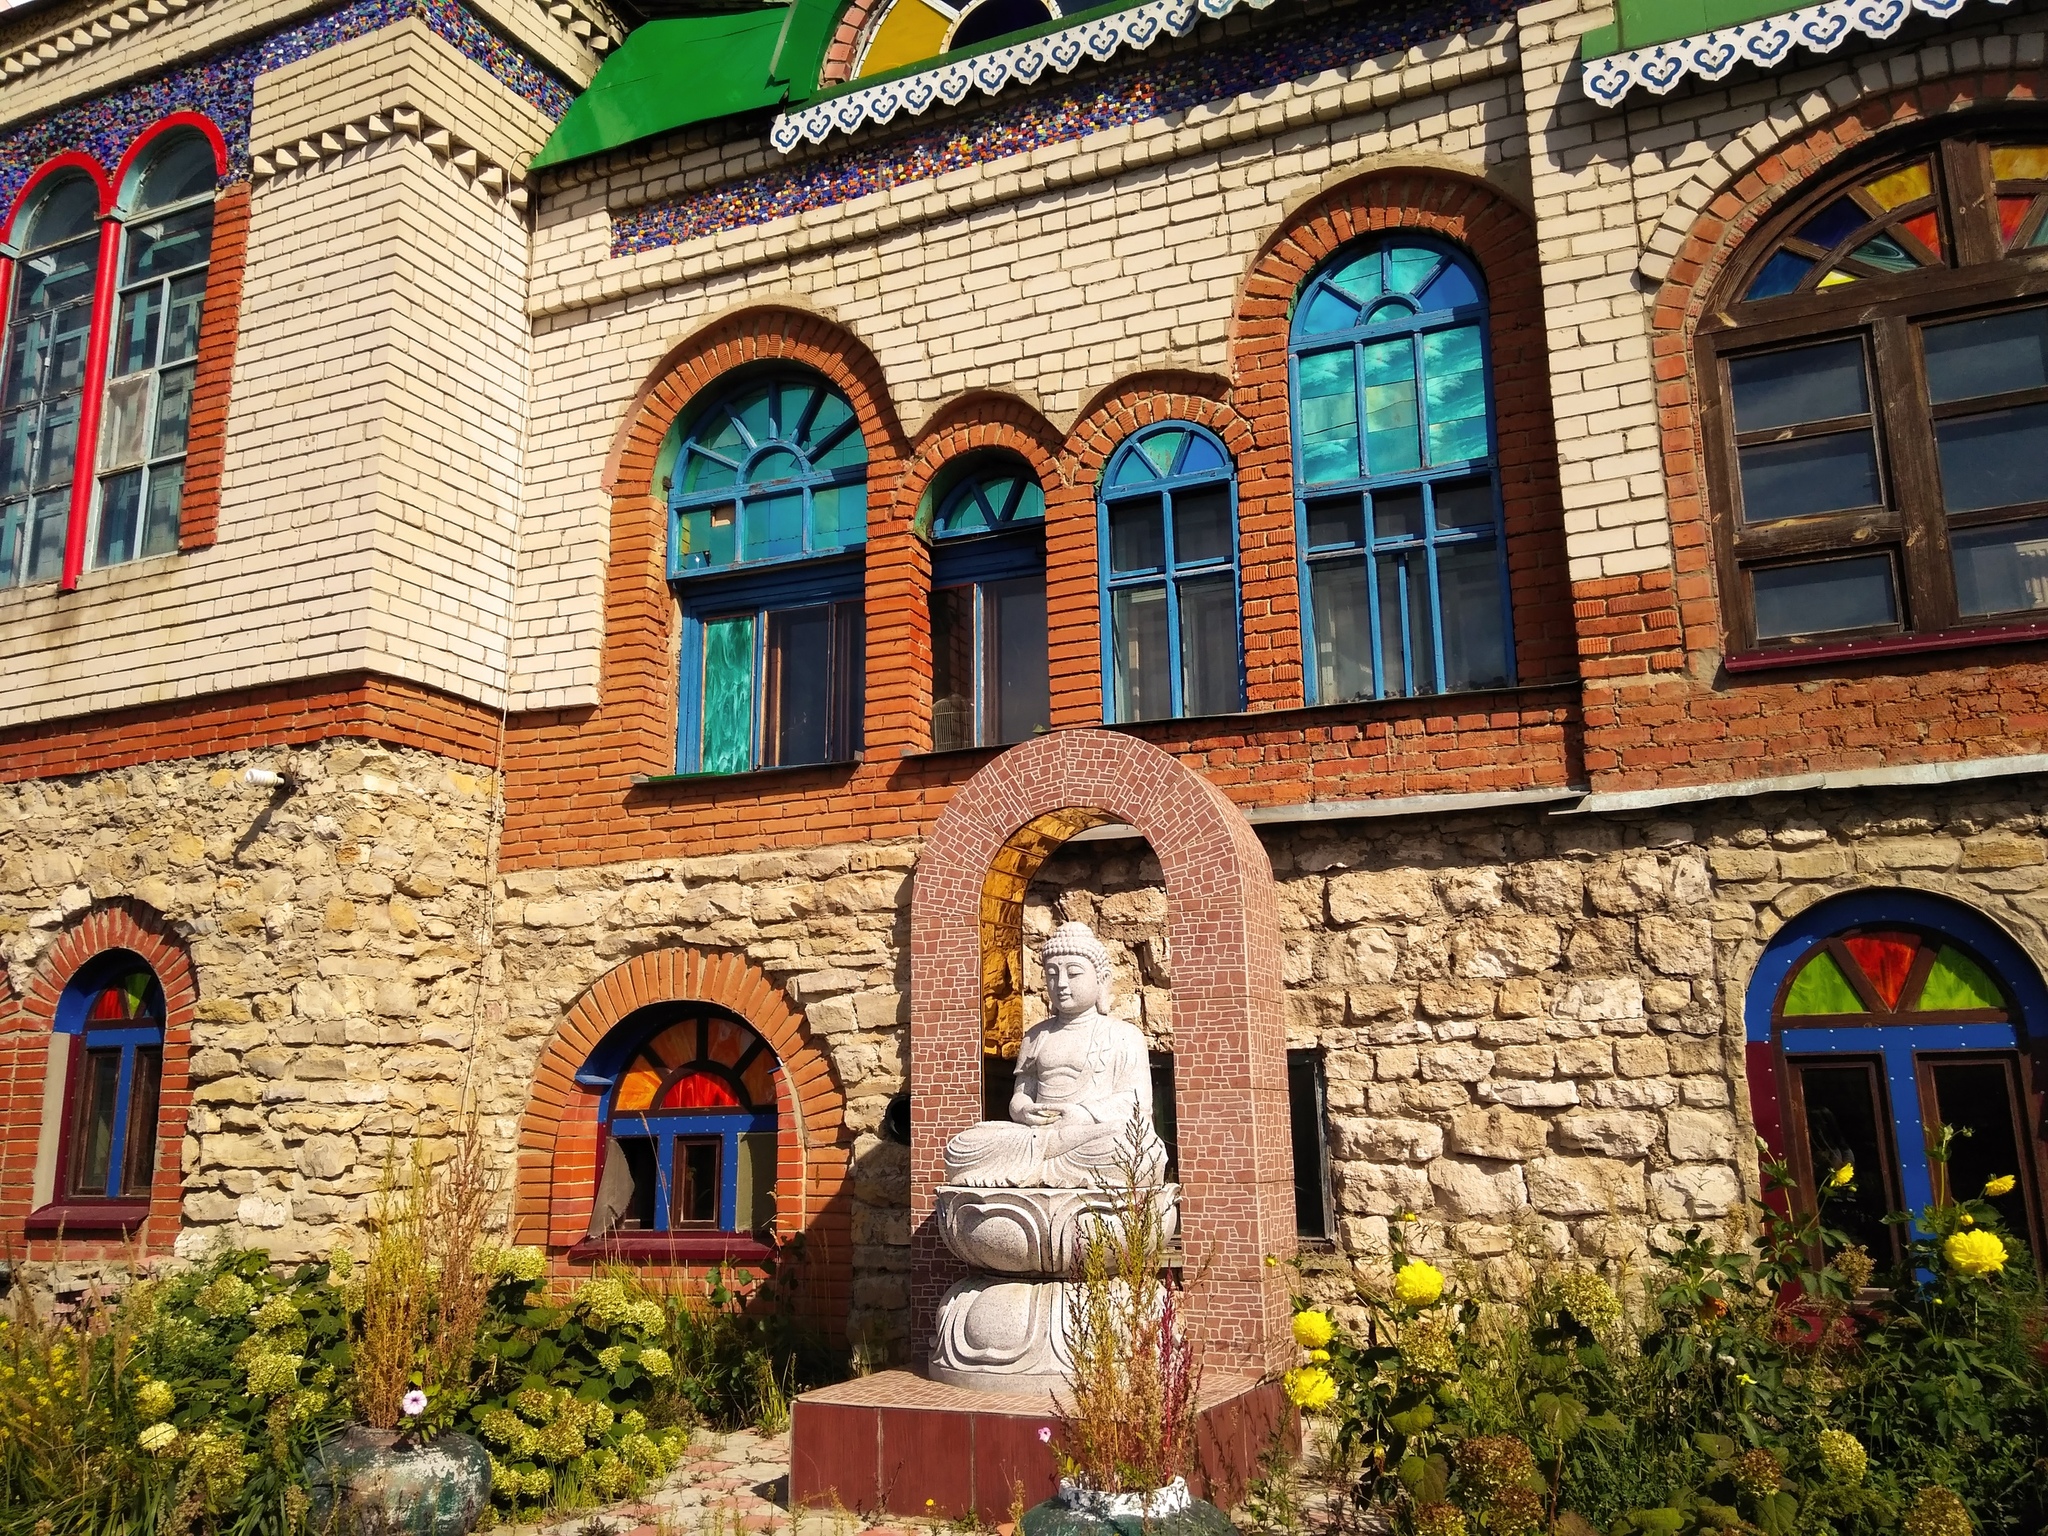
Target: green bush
{"points": [[1757, 1386]]}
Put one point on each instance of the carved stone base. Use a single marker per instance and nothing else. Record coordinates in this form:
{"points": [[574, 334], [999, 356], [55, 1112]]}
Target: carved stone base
{"points": [[1032, 1231], [998, 1335]]}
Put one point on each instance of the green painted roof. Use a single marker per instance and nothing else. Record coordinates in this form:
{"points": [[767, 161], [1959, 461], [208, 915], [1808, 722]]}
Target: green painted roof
{"points": [[1646, 23], [670, 73]]}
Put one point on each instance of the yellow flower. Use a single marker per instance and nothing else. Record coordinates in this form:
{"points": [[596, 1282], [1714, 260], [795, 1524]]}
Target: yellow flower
{"points": [[1319, 1357], [1312, 1330], [2002, 1185], [1418, 1284], [1974, 1253], [1843, 1175], [1310, 1387], [157, 1437], [1965, 1219]]}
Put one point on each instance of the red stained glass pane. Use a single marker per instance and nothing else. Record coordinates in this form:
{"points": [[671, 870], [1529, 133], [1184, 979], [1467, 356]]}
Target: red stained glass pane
{"points": [[1927, 230], [700, 1090], [2012, 213], [1885, 958]]}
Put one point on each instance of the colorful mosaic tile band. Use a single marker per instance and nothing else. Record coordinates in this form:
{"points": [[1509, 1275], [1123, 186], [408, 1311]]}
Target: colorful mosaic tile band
{"points": [[1129, 94], [223, 87]]}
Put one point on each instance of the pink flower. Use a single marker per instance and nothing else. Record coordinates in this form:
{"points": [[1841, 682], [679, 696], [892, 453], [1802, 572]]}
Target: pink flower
{"points": [[414, 1403], [1045, 1434]]}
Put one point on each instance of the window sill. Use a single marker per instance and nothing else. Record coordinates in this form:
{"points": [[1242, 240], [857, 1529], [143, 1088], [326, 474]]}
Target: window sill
{"points": [[655, 780], [87, 1218], [691, 1246], [1886, 645]]}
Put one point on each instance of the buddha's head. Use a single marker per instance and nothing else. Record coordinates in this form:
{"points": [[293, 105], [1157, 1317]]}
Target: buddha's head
{"points": [[1076, 970]]}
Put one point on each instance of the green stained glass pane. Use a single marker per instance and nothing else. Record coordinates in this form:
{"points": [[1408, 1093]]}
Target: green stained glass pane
{"points": [[792, 407], [755, 411], [1390, 440], [1454, 385], [1161, 449], [1030, 504], [708, 532], [1822, 988], [1360, 278], [1887, 255], [839, 517], [1409, 268], [706, 473], [775, 525], [1956, 982], [727, 745], [1329, 417], [134, 989]]}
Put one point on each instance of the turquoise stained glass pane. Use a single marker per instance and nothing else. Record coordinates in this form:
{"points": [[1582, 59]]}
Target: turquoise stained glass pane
{"points": [[1029, 501], [775, 525], [727, 439], [709, 532], [705, 473], [1327, 311], [1410, 267], [839, 517], [727, 741], [1887, 255], [1453, 289], [776, 464], [1360, 278], [1161, 449], [1134, 469], [1454, 390], [1329, 417], [1391, 445], [793, 409], [755, 412]]}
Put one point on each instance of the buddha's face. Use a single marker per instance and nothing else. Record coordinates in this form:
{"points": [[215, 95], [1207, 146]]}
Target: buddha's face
{"points": [[1071, 985]]}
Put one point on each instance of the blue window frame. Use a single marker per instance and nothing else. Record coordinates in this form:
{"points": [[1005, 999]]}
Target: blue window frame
{"points": [[767, 496], [1397, 489], [688, 1098], [1168, 554], [113, 1012], [989, 679], [1873, 1020]]}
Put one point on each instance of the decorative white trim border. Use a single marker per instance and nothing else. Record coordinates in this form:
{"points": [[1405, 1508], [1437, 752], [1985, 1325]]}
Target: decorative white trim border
{"points": [[88, 35], [317, 152], [1710, 55], [1139, 27]]}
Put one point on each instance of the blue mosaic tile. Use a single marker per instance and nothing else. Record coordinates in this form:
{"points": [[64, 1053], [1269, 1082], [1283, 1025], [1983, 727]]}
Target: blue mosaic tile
{"points": [[223, 87], [1129, 93]]}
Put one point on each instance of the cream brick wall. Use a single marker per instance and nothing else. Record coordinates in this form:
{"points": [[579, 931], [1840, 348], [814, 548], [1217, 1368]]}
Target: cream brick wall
{"points": [[1050, 276]]}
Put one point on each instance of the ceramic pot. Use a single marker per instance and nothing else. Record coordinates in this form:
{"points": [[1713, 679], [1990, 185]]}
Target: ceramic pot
{"points": [[377, 1482]]}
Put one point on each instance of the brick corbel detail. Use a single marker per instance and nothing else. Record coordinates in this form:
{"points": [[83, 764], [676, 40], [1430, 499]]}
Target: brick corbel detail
{"points": [[27, 1018], [219, 322], [1711, 244], [1500, 236], [558, 1156]]}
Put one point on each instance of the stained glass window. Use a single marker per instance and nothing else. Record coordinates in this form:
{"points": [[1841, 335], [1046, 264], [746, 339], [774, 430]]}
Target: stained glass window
{"points": [[990, 685], [689, 1109], [1168, 537], [1404, 564], [1882, 224], [1891, 974], [113, 1013]]}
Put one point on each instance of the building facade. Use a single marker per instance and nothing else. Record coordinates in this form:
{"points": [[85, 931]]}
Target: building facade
{"points": [[516, 518]]}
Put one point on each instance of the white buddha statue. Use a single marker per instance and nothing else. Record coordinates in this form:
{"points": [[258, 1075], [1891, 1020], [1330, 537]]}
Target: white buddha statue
{"points": [[1083, 1078]]}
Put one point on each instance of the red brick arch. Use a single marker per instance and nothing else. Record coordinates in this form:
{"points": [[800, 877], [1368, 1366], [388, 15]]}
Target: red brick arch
{"points": [[26, 1020], [1229, 1033], [558, 1133], [1501, 237]]}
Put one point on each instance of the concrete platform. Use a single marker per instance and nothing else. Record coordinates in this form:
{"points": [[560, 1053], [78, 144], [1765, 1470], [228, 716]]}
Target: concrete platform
{"points": [[899, 1443]]}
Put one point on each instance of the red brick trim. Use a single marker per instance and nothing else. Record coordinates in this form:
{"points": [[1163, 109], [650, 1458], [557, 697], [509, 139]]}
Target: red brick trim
{"points": [[556, 1180], [220, 322], [1229, 1033], [383, 709], [1501, 238], [838, 66], [26, 1021]]}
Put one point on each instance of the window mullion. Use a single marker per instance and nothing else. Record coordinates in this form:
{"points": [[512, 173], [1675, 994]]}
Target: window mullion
{"points": [[93, 391], [1176, 695], [1906, 449], [117, 1145], [1973, 221], [1435, 592]]}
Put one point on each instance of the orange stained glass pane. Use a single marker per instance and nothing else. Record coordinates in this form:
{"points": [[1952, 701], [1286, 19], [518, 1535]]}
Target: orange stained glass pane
{"points": [[728, 1042], [1926, 229], [700, 1090], [2020, 162], [1885, 958], [674, 1045], [2012, 213], [760, 1080], [1901, 186], [637, 1089]]}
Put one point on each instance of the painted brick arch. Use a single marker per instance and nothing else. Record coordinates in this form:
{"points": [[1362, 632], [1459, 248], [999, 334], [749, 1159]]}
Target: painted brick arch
{"points": [[27, 1018], [1229, 1035], [558, 1134]]}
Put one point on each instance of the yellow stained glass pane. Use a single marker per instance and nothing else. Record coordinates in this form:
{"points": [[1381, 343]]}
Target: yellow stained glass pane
{"points": [[728, 1042], [674, 1045], [1901, 187], [2020, 162], [759, 1079], [637, 1089], [909, 32], [1836, 279]]}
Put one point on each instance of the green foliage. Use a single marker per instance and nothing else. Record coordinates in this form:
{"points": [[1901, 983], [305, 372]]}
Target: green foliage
{"points": [[1757, 1387]]}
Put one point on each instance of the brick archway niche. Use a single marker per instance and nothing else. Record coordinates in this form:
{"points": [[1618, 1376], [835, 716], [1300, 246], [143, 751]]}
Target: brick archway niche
{"points": [[1230, 1083]]}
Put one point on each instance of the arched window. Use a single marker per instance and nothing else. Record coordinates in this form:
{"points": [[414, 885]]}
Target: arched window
{"points": [[1887, 1016], [1169, 577], [1397, 495], [43, 373], [1875, 383], [152, 358], [113, 1015], [989, 680], [767, 495], [688, 1111]]}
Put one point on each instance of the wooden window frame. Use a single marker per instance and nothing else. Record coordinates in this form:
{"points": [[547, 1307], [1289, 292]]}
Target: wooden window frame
{"points": [[1886, 312]]}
